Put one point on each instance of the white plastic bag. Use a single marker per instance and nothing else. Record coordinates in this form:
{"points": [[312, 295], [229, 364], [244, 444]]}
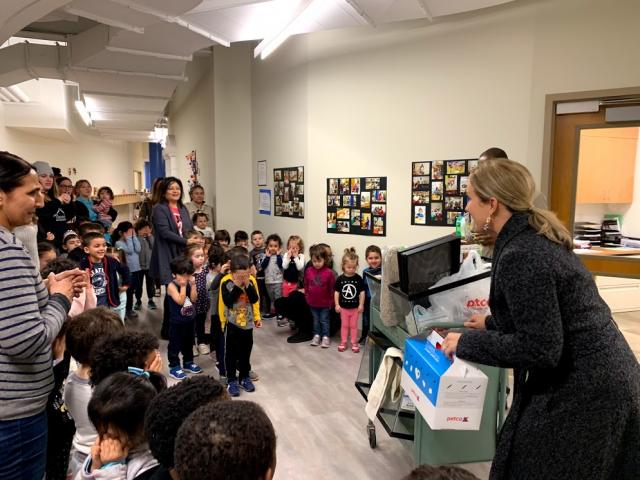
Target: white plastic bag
{"points": [[458, 304]]}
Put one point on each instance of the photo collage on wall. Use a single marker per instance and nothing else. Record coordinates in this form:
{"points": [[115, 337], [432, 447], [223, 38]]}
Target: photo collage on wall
{"points": [[357, 205], [439, 191], [288, 192]]}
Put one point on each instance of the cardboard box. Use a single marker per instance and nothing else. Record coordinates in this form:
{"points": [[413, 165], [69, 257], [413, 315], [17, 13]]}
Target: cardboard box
{"points": [[448, 394]]}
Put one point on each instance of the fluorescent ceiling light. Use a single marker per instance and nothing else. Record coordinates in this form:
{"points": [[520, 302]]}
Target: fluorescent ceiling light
{"points": [[84, 113], [310, 10]]}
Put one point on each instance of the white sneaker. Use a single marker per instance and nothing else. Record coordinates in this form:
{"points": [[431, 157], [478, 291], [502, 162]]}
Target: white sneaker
{"points": [[203, 348], [196, 352], [316, 341], [326, 343]]}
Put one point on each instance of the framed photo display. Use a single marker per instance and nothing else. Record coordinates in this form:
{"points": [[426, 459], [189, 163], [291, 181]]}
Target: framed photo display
{"points": [[357, 205], [439, 191], [288, 192]]}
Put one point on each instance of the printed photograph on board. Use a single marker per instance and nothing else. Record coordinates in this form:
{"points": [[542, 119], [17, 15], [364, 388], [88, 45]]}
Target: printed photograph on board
{"points": [[451, 217], [300, 189], [331, 220], [436, 212], [372, 183], [453, 203], [333, 200], [378, 226], [438, 170], [420, 215], [355, 218], [343, 213], [436, 191], [343, 226], [420, 198], [293, 175], [285, 176], [421, 183], [365, 222], [345, 186], [464, 182], [301, 174], [334, 186], [421, 168], [455, 167], [355, 186], [378, 209], [365, 200], [451, 183], [379, 196], [277, 175]]}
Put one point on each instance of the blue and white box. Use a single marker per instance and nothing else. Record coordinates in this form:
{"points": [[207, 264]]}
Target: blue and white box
{"points": [[449, 394]]}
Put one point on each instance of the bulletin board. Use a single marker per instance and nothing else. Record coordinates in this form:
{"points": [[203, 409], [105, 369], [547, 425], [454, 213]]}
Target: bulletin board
{"points": [[357, 206], [288, 192], [439, 191]]}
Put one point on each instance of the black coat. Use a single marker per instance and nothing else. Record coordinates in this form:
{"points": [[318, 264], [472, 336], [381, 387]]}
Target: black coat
{"points": [[55, 217], [576, 409], [168, 242]]}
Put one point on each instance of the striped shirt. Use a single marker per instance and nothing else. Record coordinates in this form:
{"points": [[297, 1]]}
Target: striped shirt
{"points": [[29, 321]]}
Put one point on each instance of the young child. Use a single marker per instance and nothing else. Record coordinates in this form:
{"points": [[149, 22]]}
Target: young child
{"points": [[70, 241], [349, 299], [218, 267], [104, 207], [201, 224], [85, 300], [169, 409], [46, 253], [223, 238], [119, 256], [293, 269], [318, 287], [145, 237], [78, 254], [373, 256], [183, 294], [201, 269], [117, 410], [241, 239], [272, 268], [127, 240], [103, 271], [239, 310], [218, 432], [257, 254], [83, 333]]}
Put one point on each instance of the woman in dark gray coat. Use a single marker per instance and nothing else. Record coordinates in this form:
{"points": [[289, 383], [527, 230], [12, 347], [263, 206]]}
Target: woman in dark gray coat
{"points": [[576, 408]]}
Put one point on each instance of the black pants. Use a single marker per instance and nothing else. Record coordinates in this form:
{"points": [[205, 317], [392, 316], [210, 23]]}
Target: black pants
{"points": [[180, 341], [151, 288], [200, 335], [133, 284], [238, 347], [164, 330], [217, 344], [265, 301]]}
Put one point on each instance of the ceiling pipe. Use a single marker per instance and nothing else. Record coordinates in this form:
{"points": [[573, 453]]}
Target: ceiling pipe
{"points": [[7, 93], [177, 78], [360, 13], [102, 19], [17, 92], [145, 53], [425, 9]]}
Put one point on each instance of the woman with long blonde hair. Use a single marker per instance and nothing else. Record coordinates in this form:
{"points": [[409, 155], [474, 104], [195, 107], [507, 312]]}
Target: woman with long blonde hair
{"points": [[576, 407]]}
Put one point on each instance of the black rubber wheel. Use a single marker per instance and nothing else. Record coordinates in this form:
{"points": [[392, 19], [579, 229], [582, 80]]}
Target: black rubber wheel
{"points": [[372, 436]]}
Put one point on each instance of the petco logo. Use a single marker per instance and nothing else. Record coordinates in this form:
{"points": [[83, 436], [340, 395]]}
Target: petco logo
{"points": [[477, 303], [458, 419]]}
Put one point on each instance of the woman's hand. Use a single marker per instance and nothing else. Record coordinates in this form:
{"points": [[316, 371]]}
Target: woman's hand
{"points": [[450, 344], [63, 286], [50, 237], [477, 322], [64, 198]]}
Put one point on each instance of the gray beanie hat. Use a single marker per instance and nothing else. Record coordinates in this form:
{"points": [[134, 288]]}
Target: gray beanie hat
{"points": [[43, 168]]}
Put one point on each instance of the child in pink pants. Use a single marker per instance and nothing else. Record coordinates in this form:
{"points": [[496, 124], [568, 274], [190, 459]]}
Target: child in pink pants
{"points": [[349, 300]]}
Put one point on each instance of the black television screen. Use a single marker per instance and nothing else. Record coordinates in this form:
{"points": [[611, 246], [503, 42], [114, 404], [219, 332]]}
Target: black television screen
{"points": [[421, 266]]}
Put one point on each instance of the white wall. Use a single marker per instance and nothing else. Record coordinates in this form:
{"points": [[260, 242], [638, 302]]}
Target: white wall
{"points": [[191, 122], [369, 102]]}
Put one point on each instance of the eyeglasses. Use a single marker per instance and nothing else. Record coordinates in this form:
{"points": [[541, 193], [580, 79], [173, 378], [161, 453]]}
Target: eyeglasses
{"points": [[65, 185]]}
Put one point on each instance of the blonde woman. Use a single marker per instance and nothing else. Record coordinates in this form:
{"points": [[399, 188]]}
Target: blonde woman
{"points": [[576, 408]]}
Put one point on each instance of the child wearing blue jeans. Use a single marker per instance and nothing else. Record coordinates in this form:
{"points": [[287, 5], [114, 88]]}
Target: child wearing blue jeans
{"points": [[182, 295], [319, 282]]}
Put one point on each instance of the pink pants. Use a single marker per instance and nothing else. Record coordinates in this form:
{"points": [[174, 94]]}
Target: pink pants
{"points": [[349, 320]]}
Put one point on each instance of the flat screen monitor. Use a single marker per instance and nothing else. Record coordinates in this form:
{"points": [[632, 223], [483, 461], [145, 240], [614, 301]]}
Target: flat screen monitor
{"points": [[421, 266]]}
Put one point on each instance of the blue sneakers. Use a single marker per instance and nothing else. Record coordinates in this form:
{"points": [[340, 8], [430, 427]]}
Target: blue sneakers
{"points": [[177, 373], [192, 368], [234, 389], [247, 384]]}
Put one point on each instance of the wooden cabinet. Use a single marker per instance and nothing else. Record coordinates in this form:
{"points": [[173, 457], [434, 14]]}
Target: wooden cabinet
{"points": [[606, 165]]}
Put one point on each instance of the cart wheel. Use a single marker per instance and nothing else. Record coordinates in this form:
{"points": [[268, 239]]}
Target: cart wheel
{"points": [[371, 429]]}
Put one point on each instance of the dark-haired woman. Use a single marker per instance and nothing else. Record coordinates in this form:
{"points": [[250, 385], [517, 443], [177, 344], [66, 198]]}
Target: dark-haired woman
{"points": [[171, 223], [58, 210], [30, 318]]}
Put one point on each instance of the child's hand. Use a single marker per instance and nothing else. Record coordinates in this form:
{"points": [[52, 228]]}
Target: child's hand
{"points": [[225, 268], [360, 308], [112, 450], [181, 281], [96, 463], [123, 289], [238, 279], [338, 309], [258, 323], [156, 364]]}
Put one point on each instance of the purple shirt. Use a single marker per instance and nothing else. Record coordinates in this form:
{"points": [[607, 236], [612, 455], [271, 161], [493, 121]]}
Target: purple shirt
{"points": [[318, 287]]}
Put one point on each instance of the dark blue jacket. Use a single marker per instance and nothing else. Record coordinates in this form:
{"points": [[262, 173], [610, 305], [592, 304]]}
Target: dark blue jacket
{"points": [[111, 269]]}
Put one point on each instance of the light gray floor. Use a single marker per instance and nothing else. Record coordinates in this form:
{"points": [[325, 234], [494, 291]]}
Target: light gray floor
{"points": [[318, 415]]}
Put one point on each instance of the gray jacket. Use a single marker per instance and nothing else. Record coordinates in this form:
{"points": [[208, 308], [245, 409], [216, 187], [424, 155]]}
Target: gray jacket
{"points": [[146, 247], [576, 408], [138, 461]]}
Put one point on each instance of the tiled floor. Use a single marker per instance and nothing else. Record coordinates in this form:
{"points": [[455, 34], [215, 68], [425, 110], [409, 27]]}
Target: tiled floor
{"points": [[318, 415]]}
